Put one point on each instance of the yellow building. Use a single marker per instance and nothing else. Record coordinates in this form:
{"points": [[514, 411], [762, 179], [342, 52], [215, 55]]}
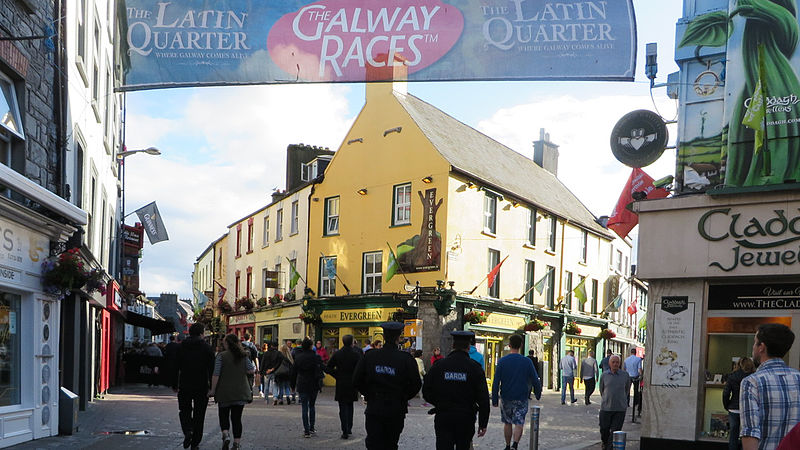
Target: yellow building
{"points": [[452, 204]]}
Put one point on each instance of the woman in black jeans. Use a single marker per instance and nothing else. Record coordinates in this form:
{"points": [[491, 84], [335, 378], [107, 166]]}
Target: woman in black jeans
{"points": [[308, 376], [730, 399], [231, 388]]}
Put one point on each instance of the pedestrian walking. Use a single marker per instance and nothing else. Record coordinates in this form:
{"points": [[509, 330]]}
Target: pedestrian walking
{"points": [[170, 354], [341, 366], [261, 380], [437, 355], [569, 368], [252, 351], [420, 368], [322, 352], [589, 373], [193, 368], [231, 389], [456, 387], [475, 354], [730, 399], [307, 375], [633, 365], [615, 387], [604, 362], [769, 399], [267, 364], [388, 378], [514, 377], [283, 373]]}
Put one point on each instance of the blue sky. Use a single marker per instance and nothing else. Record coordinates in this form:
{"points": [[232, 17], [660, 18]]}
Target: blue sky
{"points": [[224, 147]]}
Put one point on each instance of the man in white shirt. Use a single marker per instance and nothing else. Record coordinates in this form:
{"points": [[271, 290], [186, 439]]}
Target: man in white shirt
{"points": [[633, 365], [569, 367], [588, 374]]}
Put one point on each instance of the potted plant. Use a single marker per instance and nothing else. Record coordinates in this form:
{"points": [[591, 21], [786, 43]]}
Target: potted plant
{"points": [[244, 303], [310, 317], [535, 325], [476, 317], [607, 334], [572, 328], [262, 302], [289, 297], [275, 299]]}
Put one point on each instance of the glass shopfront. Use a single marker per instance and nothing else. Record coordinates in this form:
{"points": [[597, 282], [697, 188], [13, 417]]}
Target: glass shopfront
{"points": [[9, 349]]}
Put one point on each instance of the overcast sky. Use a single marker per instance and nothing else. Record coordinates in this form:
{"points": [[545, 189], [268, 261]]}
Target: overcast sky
{"points": [[224, 149]]}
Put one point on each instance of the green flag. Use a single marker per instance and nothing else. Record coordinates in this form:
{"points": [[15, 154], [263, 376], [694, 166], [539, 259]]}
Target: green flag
{"points": [[643, 323], [756, 113], [539, 286], [294, 275], [580, 291], [393, 265]]}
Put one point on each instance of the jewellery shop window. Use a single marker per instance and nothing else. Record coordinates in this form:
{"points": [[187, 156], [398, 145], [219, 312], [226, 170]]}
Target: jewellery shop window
{"points": [[9, 349], [729, 340]]}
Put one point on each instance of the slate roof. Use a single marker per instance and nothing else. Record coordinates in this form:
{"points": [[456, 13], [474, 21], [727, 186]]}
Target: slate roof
{"points": [[476, 155]]}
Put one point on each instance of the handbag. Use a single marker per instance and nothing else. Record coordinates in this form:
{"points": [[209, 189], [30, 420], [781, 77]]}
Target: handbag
{"points": [[283, 370]]}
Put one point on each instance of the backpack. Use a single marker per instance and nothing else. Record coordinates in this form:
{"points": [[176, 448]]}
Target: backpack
{"points": [[253, 352]]}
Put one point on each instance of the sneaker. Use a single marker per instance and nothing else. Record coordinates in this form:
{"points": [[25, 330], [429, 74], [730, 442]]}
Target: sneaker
{"points": [[313, 431], [306, 434], [226, 442], [574, 400], [345, 435], [508, 447], [563, 403]]}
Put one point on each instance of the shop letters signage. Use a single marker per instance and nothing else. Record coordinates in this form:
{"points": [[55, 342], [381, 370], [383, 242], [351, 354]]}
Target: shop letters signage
{"points": [[507, 321], [240, 319], [673, 341], [768, 239], [21, 249], [773, 296], [358, 315]]}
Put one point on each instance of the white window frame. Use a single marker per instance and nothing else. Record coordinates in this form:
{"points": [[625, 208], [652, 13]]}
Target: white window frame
{"points": [[402, 204], [327, 283], [551, 233], [371, 279], [279, 225], [9, 92], [295, 226], [265, 232], [584, 246], [305, 172], [495, 289], [331, 216], [490, 213], [531, 231]]}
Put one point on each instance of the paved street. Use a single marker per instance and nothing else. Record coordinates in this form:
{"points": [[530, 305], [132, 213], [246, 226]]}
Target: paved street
{"points": [[155, 411]]}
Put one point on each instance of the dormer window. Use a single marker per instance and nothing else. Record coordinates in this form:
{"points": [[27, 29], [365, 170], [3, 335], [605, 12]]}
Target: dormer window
{"points": [[309, 171]]}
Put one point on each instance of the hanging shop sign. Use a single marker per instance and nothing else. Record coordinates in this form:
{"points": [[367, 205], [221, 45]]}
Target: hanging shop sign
{"points": [[225, 42], [130, 273], [423, 252], [271, 279], [639, 138], [673, 339], [132, 239], [771, 296]]}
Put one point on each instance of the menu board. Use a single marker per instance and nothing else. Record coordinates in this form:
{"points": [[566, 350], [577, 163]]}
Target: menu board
{"points": [[673, 337]]}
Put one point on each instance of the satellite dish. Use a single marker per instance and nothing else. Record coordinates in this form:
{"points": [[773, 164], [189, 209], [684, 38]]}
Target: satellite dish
{"points": [[410, 288]]}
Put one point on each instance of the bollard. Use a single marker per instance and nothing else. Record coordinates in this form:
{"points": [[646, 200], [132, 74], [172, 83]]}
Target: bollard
{"points": [[535, 413], [619, 440]]}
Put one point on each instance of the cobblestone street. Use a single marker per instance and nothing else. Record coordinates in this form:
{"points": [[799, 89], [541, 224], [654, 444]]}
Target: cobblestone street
{"points": [[155, 411]]}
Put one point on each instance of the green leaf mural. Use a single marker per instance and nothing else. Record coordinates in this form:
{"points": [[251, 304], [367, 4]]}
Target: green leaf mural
{"points": [[708, 30]]}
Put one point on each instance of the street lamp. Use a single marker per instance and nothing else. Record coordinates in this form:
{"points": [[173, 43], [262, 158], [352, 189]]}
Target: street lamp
{"points": [[121, 162]]}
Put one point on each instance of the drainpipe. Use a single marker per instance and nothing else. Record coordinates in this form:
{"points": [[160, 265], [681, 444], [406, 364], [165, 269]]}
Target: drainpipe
{"points": [[59, 93]]}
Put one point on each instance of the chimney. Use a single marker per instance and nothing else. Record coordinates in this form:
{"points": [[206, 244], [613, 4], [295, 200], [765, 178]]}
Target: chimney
{"points": [[387, 78], [545, 153]]}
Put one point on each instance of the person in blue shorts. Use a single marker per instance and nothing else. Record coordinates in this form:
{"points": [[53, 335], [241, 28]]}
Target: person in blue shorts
{"points": [[514, 378]]}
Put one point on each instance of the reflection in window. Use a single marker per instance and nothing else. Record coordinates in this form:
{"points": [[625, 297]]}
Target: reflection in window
{"points": [[9, 349]]}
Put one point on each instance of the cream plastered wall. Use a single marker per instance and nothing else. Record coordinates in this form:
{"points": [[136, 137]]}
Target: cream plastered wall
{"points": [[221, 269]]}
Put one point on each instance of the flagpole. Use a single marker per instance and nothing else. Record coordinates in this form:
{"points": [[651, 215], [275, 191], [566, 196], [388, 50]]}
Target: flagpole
{"points": [[336, 274], [490, 272], [526, 292], [297, 271], [399, 266]]}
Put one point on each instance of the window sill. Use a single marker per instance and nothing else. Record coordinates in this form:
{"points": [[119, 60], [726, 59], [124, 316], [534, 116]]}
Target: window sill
{"points": [[248, 252], [278, 240], [488, 233], [583, 263], [265, 245], [529, 246], [400, 225], [238, 256], [550, 252], [96, 109], [82, 70], [330, 235], [292, 234]]}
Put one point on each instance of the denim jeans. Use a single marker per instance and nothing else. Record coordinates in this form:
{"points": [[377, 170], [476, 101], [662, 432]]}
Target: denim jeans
{"points": [[267, 382], [279, 389], [307, 402], [567, 382], [733, 437]]}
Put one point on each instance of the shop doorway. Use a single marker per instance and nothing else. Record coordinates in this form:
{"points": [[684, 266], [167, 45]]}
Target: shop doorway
{"points": [[494, 351], [267, 333]]}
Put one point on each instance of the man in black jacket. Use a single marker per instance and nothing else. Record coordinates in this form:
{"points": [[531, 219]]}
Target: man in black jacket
{"points": [[388, 378], [307, 374], [194, 365], [456, 386], [267, 365], [341, 366]]}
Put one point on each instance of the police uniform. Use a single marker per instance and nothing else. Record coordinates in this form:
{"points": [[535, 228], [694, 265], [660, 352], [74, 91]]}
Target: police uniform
{"points": [[456, 386], [388, 378]]}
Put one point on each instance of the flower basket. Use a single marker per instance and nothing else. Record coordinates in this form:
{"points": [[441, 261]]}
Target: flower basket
{"points": [[536, 325], [310, 317], [398, 315], [262, 302], [244, 303], [476, 317], [224, 306], [572, 328], [62, 274], [607, 334], [290, 296], [275, 299]]}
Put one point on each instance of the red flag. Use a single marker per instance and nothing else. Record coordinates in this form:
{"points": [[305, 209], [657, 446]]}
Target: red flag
{"points": [[632, 309], [622, 220], [222, 291], [493, 274]]}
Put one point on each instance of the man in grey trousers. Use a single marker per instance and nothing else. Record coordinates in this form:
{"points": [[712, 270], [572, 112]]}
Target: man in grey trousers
{"points": [[615, 385]]}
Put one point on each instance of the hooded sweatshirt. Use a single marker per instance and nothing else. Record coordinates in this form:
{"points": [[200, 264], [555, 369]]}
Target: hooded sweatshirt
{"points": [[194, 365]]}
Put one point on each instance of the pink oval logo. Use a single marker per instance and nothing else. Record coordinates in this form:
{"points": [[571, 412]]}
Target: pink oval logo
{"points": [[345, 41]]}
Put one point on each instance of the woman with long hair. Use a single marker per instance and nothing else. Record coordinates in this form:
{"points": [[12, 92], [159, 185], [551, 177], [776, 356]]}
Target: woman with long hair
{"points": [[308, 374], [231, 389], [730, 399], [283, 376]]}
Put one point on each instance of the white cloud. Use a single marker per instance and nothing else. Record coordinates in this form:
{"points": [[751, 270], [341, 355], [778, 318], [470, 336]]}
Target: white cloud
{"points": [[242, 135]]}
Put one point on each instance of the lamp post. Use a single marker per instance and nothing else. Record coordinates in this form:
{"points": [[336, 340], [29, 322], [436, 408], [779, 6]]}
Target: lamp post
{"points": [[121, 166]]}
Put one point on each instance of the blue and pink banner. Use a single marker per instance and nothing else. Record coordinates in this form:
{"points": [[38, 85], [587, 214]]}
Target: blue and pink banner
{"points": [[223, 42]]}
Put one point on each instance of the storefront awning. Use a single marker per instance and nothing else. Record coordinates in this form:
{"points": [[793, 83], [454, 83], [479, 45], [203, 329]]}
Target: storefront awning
{"points": [[156, 326]]}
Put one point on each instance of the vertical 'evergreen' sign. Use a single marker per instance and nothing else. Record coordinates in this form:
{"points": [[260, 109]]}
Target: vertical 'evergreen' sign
{"points": [[219, 42]]}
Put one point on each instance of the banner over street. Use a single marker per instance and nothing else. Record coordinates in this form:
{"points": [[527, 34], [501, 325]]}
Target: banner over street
{"points": [[228, 42]]}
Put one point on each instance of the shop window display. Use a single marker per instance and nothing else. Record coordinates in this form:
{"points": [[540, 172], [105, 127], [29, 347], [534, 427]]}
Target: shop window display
{"points": [[9, 349]]}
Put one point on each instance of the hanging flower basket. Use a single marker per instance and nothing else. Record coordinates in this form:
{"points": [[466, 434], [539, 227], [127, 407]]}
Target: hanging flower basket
{"points": [[262, 302], [476, 317], [535, 325], [310, 317], [62, 274], [275, 299], [572, 328], [607, 334], [244, 303], [289, 297], [398, 315]]}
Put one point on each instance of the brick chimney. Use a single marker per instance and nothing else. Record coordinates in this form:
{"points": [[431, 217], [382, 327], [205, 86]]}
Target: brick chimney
{"points": [[388, 78], [545, 153]]}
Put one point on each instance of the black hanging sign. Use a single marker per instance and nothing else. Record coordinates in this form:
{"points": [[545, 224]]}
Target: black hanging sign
{"points": [[639, 138]]}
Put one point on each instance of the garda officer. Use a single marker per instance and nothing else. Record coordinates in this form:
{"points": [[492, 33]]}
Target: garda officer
{"points": [[388, 378], [456, 386]]}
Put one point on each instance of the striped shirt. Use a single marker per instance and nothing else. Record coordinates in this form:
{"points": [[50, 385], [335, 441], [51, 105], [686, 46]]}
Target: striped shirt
{"points": [[769, 401]]}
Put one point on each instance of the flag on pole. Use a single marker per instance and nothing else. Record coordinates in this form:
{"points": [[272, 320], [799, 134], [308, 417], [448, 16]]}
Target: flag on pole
{"points": [[493, 274], [294, 275], [200, 299], [393, 265], [643, 323], [153, 225], [615, 304], [756, 113], [622, 220], [330, 267], [580, 291], [632, 309], [539, 286], [222, 291]]}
